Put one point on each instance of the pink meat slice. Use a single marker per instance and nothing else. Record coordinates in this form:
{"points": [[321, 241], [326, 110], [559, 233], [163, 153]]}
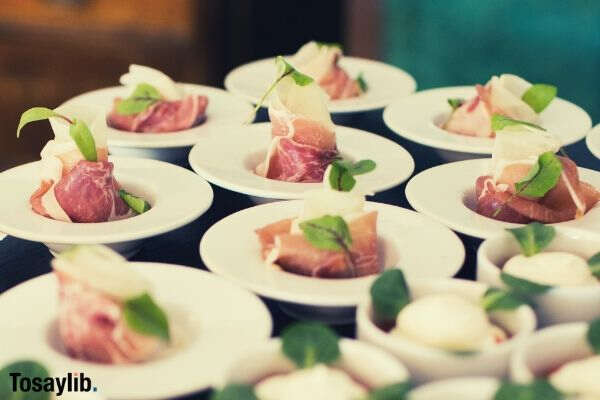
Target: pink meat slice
{"points": [[338, 84], [163, 116], [91, 326], [472, 118]]}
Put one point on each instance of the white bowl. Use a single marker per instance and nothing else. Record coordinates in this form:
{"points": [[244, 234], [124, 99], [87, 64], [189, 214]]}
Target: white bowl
{"points": [[224, 109], [469, 388], [429, 363], [548, 349], [177, 196], [204, 343], [560, 304], [386, 83], [446, 193], [593, 141], [363, 362], [228, 158]]}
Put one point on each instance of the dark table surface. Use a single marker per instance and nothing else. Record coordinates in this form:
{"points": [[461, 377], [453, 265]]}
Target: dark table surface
{"points": [[21, 260]]}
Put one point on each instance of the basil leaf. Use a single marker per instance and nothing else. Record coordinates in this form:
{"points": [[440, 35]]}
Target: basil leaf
{"points": [[362, 84], [594, 263], [144, 316], [538, 96], [143, 96], [463, 353], [524, 286], [363, 167], [327, 233], [542, 177], [500, 122], [27, 369], [593, 335], [329, 44], [137, 204], [340, 177], [235, 391], [533, 237], [36, 114], [496, 299], [389, 295], [310, 343], [537, 390], [397, 391], [456, 103], [81, 135]]}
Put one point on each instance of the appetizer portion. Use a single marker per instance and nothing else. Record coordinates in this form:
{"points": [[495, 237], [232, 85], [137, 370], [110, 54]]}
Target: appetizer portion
{"points": [[507, 95], [155, 104], [303, 135], [527, 181], [334, 237], [320, 61], [106, 311], [76, 178]]}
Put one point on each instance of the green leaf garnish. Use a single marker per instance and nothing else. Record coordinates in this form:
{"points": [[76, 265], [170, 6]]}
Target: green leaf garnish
{"points": [[496, 299], [81, 135], [37, 114], [522, 286], [539, 389], [27, 369], [144, 316], [594, 263], [389, 295], [456, 103], [329, 44], [538, 96], [136, 203], [310, 343], [235, 391], [533, 237], [593, 335], [329, 232], [500, 122], [341, 176], [143, 96], [362, 167], [542, 177], [362, 83], [397, 391]]}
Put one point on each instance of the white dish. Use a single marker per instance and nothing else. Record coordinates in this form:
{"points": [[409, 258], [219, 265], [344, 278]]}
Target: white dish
{"points": [[560, 304], [228, 158], [417, 118], [204, 342], [446, 193], [177, 196], [224, 109], [475, 388], [593, 141], [429, 363], [386, 83], [404, 240]]}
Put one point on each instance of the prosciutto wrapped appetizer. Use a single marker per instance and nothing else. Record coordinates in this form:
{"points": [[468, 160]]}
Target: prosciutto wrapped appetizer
{"points": [[528, 182], [155, 104], [334, 237], [76, 178], [507, 95], [106, 312], [320, 62]]}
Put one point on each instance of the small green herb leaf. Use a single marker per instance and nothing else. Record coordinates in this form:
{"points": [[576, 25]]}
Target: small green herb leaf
{"points": [[136, 203], [81, 135], [329, 44], [37, 114], [28, 369], [456, 102], [143, 315], [363, 167], [542, 177], [593, 335], [533, 237], [397, 391], [340, 177], [522, 286], [500, 122], [538, 96], [235, 392], [143, 96], [327, 233], [362, 83], [498, 299], [310, 343], [537, 390], [594, 263], [389, 295]]}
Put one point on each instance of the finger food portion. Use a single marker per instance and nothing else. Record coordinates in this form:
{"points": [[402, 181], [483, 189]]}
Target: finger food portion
{"points": [[155, 104]]}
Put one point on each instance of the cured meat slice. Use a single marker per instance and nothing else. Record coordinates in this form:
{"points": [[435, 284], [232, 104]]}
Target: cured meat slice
{"points": [[163, 116], [338, 85], [473, 118]]}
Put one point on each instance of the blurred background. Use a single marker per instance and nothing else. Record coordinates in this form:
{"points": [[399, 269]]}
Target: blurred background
{"points": [[51, 50]]}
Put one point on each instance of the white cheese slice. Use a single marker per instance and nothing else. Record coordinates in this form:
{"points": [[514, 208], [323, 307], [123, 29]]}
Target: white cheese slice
{"points": [[505, 95], [141, 74], [315, 60], [552, 268], [581, 377]]}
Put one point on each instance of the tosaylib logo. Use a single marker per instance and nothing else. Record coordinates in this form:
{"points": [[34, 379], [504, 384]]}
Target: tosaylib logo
{"points": [[72, 382]]}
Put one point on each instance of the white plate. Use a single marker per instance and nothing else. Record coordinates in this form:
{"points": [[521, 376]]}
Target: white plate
{"points": [[207, 315], [177, 196], [447, 193], [386, 83], [421, 246], [593, 141], [417, 118], [228, 159]]}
